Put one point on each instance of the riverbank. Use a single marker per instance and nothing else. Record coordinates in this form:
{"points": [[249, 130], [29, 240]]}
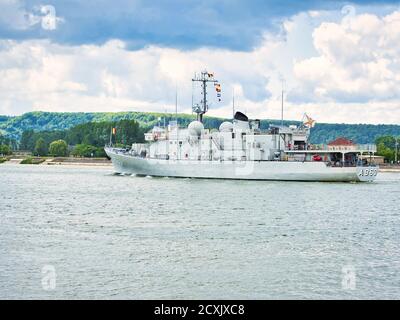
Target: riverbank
{"points": [[79, 161], [59, 161], [389, 168]]}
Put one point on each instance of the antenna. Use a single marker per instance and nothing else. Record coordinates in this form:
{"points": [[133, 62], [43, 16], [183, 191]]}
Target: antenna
{"points": [[176, 117], [233, 102], [176, 103], [283, 81], [192, 96], [204, 78]]}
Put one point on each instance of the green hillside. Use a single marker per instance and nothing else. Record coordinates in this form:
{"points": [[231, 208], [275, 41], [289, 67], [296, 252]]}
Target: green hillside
{"points": [[13, 127]]}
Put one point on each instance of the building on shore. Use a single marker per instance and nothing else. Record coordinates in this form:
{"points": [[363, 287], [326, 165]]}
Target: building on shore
{"points": [[379, 160], [341, 144]]}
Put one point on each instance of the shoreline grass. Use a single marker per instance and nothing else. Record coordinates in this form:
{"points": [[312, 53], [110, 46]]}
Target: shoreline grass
{"points": [[32, 160]]}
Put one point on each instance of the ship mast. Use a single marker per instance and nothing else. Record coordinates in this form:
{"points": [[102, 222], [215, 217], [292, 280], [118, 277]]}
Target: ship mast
{"points": [[204, 78], [282, 93]]}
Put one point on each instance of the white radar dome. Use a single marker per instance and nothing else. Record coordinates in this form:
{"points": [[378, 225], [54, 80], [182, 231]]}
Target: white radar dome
{"points": [[195, 128], [226, 126]]}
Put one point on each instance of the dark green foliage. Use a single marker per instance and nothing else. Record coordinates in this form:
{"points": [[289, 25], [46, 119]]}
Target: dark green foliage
{"points": [[29, 138], [4, 118], [7, 141], [84, 150], [58, 148], [5, 150], [359, 133], [91, 137], [98, 133], [386, 147], [42, 121], [40, 147]]}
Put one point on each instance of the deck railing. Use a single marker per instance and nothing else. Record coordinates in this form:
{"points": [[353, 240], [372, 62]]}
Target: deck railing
{"points": [[355, 147]]}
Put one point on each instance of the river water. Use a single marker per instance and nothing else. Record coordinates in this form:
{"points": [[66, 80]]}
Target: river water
{"points": [[84, 233]]}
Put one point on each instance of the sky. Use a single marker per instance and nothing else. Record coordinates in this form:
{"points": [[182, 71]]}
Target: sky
{"points": [[337, 61]]}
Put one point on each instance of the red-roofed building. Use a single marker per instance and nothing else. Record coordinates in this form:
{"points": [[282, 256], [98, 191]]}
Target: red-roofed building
{"points": [[341, 144]]}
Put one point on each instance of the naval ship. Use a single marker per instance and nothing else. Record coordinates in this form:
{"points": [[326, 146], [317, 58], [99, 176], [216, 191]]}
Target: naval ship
{"points": [[240, 149]]}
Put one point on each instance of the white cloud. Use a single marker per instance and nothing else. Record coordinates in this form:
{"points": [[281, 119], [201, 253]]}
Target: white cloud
{"points": [[358, 61], [109, 77], [344, 71]]}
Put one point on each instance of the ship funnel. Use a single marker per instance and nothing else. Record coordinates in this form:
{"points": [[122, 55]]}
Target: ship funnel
{"points": [[240, 121], [240, 116]]}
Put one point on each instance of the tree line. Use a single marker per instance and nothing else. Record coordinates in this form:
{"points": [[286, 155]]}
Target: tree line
{"points": [[388, 147], [84, 140], [6, 145]]}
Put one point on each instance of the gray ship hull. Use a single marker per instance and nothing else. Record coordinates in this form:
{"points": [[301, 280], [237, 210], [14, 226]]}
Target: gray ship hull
{"points": [[124, 163]]}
